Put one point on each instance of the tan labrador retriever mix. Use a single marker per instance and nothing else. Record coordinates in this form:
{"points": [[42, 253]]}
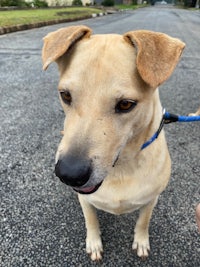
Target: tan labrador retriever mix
{"points": [[108, 91]]}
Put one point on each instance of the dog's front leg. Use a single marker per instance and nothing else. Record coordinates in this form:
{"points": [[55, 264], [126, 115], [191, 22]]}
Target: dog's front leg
{"points": [[141, 236], [93, 240]]}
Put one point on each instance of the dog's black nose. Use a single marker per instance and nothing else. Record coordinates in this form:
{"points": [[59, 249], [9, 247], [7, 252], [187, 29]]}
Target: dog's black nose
{"points": [[73, 171]]}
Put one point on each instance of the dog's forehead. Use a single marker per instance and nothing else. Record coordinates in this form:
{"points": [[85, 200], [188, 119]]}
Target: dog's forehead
{"points": [[102, 66], [99, 58], [104, 43]]}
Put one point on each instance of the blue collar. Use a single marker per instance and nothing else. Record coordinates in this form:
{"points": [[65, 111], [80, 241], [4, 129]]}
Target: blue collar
{"points": [[168, 118]]}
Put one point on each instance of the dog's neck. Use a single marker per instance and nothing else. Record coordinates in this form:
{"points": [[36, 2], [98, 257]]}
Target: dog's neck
{"points": [[149, 134]]}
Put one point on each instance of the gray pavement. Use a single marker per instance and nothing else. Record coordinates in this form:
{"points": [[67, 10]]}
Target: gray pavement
{"points": [[41, 223]]}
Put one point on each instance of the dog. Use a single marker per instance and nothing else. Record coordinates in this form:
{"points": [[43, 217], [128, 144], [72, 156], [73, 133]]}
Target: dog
{"points": [[108, 90]]}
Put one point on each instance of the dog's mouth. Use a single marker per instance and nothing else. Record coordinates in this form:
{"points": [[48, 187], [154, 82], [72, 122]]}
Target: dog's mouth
{"points": [[88, 190]]}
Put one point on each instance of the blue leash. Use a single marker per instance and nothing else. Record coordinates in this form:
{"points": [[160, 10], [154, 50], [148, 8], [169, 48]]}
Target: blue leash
{"points": [[166, 119], [173, 118]]}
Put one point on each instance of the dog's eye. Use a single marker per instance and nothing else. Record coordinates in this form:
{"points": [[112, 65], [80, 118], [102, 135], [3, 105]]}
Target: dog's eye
{"points": [[66, 97], [124, 106]]}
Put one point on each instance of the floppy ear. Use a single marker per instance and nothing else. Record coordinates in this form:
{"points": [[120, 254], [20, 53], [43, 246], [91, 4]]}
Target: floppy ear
{"points": [[157, 55], [58, 42]]}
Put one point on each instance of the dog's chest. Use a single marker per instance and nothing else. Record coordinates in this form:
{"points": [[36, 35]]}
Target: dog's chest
{"points": [[116, 206], [120, 200], [125, 195]]}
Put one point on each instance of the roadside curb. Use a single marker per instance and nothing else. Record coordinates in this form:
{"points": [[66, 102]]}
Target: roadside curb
{"points": [[23, 27]]}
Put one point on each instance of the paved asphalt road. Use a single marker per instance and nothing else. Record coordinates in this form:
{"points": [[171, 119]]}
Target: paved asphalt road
{"points": [[41, 222]]}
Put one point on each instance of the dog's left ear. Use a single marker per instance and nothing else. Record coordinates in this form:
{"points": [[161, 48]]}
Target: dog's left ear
{"points": [[58, 42], [157, 55]]}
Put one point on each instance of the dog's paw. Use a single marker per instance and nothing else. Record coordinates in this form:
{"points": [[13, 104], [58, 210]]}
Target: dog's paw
{"points": [[141, 245], [94, 247]]}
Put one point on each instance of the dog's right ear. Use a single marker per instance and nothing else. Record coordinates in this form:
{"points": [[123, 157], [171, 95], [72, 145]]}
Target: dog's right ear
{"points": [[58, 42]]}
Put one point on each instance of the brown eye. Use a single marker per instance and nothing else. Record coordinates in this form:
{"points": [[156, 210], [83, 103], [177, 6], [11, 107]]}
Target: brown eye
{"points": [[66, 97], [124, 106]]}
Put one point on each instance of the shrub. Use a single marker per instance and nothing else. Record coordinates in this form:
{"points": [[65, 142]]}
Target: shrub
{"points": [[108, 3], [190, 3], [77, 3], [39, 3], [22, 3], [9, 3], [134, 2]]}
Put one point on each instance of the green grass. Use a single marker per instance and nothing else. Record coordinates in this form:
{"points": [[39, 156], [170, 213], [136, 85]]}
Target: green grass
{"points": [[17, 17], [122, 7]]}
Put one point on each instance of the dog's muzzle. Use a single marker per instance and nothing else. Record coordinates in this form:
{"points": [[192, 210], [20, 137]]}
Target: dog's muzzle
{"points": [[76, 172]]}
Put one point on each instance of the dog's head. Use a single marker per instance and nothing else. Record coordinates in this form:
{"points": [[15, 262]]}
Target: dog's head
{"points": [[107, 90]]}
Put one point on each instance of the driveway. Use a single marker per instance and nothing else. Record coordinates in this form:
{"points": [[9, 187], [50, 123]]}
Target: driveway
{"points": [[41, 221]]}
